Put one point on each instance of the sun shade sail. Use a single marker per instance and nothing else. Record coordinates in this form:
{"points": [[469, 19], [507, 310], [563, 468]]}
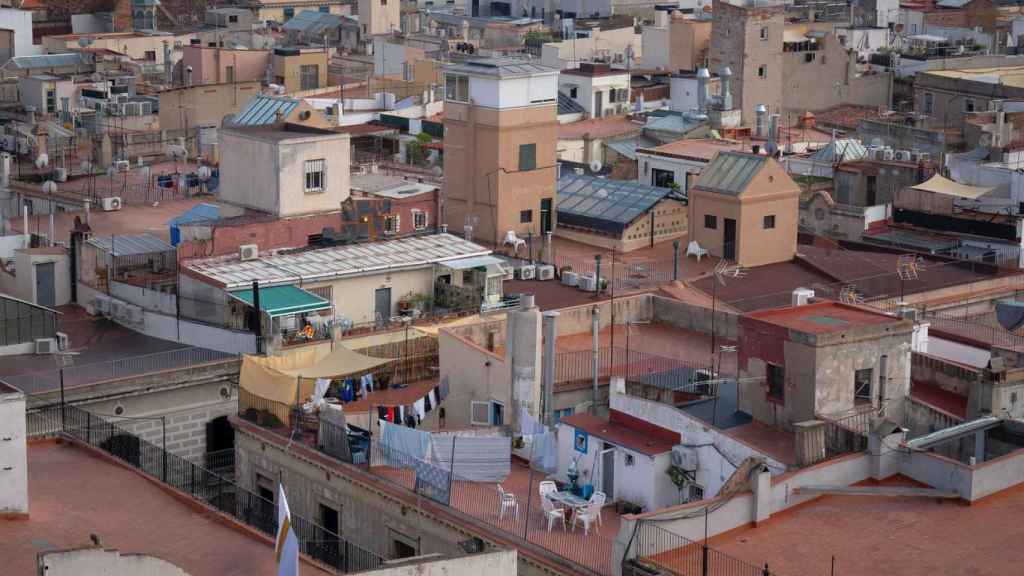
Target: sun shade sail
{"points": [[941, 185], [283, 300]]}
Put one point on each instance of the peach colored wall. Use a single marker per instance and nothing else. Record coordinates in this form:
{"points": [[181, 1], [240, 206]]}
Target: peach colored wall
{"points": [[482, 168], [210, 65], [688, 43]]}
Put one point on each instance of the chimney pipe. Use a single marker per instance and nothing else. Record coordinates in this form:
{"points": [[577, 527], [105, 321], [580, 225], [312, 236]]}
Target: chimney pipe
{"points": [[168, 70], [702, 89], [883, 379], [725, 74], [188, 75], [548, 362], [49, 238], [595, 327], [24, 220], [761, 112]]}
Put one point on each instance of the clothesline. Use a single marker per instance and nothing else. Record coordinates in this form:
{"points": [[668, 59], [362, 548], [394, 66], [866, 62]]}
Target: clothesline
{"points": [[414, 413]]}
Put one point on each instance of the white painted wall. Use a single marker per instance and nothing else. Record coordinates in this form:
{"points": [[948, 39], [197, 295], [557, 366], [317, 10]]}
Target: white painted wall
{"points": [[647, 163], [149, 299], [100, 562], [513, 92], [13, 453], [957, 352], [21, 22], [587, 87]]}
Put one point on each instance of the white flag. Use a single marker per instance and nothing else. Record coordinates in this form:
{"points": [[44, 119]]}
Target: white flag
{"points": [[286, 549]]}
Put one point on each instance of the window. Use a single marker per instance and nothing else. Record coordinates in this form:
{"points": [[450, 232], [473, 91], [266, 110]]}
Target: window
{"points": [[862, 385], [662, 178], [314, 176], [764, 33], [711, 221], [456, 88], [51, 101], [696, 493], [391, 224], [525, 216], [629, 459], [289, 12], [809, 57], [527, 157], [762, 71], [150, 56], [309, 76], [574, 92], [776, 376], [969, 105], [613, 96], [486, 413], [928, 105], [232, 19], [559, 414], [230, 70], [419, 219], [497, 413], [769, 222]]}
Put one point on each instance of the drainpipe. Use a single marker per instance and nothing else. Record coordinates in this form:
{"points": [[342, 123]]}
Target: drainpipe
{"points": [[675, 260], [883, 379], [597, 274], [595, 321], [258, 315], [548, 364]]}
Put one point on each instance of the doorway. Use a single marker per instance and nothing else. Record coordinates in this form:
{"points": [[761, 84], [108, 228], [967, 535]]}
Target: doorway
{"points": [[729, 240], [598, 104], [608, 471], [871, 191], [545, 215], [330, 519], [382, 305], [44, 284]]}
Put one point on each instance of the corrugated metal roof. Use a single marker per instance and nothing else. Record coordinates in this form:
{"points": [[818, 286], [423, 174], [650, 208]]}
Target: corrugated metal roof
{"points": [[673, 123], [339, 261], [312, 22], [130, 244], [628, 146], [500, 67], [601, 204], [566, 105], [845, 150], [50, 60], [261, 110], [730, 172]]}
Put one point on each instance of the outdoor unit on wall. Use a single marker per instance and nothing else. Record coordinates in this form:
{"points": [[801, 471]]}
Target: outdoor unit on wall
{"points": [[545, 272], [62, 341], [101, 303], [685, 458], [111, 203], [903, 155], [570, 278], [248, 252], [526, 272], [588, 283], [802, 296], [132, 314], [46, 345], [122, 165]]}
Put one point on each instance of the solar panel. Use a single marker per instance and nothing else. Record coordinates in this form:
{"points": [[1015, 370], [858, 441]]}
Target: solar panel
{"points": [[606, 205]]}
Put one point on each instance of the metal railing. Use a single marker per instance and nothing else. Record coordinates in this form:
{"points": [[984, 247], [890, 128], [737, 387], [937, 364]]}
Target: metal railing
{"points": [[213, 490], [633, 365], [848, 433], [670, 553], [79, 374], [622, 276], [221, 462]]}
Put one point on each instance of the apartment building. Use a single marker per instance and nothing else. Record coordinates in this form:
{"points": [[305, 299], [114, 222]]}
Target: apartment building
{"points": [[212, 65], [299, 69], [500, 145], [379, 17], [747, 37], [599, 89]]}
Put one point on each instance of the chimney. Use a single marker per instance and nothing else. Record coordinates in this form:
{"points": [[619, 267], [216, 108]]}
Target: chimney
{"points": [[702, 89], [188, 75], [762, 113], [523, 355], [168, 69], [548, 379], [773, 127], [802, 296], [725, 74]]}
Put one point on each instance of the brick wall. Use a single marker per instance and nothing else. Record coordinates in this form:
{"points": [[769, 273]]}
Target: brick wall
{"points": [[285, 233]]}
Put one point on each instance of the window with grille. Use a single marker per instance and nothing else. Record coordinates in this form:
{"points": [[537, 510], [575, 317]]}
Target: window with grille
{"points": [[391, 224], [325, 292], [456, 88], [862, 385], [479, 413], [525, 216], [769, 222], [309, 76], [315, 176], [696, 493], [710, 221], [419, 219]]}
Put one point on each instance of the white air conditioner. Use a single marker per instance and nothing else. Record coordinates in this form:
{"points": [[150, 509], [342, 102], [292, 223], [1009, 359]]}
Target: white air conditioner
{"points": [[888, 154], [685, 458], [570, 278], [117, 309], [588, 283], [924, 157], [903, 155], [101, 303], [248, 252], [62, 341], [122, 165], [60, 174], [508, 272], [46, 345], [111, 203], [526, 272], [133, 314], [801, 296], [545, 272]]}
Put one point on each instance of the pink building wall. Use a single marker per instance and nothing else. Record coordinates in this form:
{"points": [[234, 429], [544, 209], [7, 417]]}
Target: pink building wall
{"points": [[210, 65]]}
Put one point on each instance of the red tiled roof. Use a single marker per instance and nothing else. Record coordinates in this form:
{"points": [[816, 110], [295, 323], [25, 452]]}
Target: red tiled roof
{"points": [[646, 438], [824, 317], [599, 128], [937, 397]]}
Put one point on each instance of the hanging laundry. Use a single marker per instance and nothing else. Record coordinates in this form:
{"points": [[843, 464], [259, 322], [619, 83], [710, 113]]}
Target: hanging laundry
{"points": [[444, 388], [528, 424], [403, 445], [419, 407], [433, 396], [382, 413]]}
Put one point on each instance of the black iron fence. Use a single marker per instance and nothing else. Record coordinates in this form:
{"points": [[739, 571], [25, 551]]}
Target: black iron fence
{"points": [[669, 553], [213, 490], [619, 276], [847, 433], [636, 366]]}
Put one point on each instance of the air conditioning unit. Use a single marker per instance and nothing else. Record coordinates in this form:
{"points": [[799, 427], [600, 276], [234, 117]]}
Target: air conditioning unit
{"points": [[101, 303], [924, 157], [117, 309], [570, 278], [545, 272], [685, 458], [248, 252], [132, 314], [62, 341], [46, 345], [588, 282], [60, 174], [122, 165], [878, 154], [903, 155], [888, 154], [508, 272], [111, 203], [526, 272]]}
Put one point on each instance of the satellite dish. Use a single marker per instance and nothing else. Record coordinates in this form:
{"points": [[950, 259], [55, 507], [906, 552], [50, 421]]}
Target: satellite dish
{"points": [[595, 166], [49, 187], [42, 160], [1010, 314]]}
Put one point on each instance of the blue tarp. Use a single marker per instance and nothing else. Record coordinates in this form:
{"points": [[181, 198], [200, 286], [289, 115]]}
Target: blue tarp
{"points": [[198, 213]]}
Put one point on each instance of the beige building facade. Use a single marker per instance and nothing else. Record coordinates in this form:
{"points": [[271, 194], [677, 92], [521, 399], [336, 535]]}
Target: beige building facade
{"points": [[188, 107], [379, 17], [500, 143], [299, 69], [748, 39]]}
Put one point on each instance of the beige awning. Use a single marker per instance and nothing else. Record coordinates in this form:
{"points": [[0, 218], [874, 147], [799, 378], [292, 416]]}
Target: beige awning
{"points": [[340, 362], [941, 185]]}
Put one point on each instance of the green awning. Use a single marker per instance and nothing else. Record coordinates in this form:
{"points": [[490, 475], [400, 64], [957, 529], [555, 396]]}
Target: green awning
{"points": [[283, 300]]}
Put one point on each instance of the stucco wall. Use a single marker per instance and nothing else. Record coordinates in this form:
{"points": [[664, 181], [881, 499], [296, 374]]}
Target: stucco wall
{"points": [[473, 375], [494, 563], [13, 453], [100, 562]]}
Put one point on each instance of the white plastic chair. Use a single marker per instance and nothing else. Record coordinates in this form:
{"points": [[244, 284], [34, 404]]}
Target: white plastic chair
{"points": [[512, 240], [552, 512], [508, 502], [598, 499], [694, 249], [547, 487], [589, 515]]}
